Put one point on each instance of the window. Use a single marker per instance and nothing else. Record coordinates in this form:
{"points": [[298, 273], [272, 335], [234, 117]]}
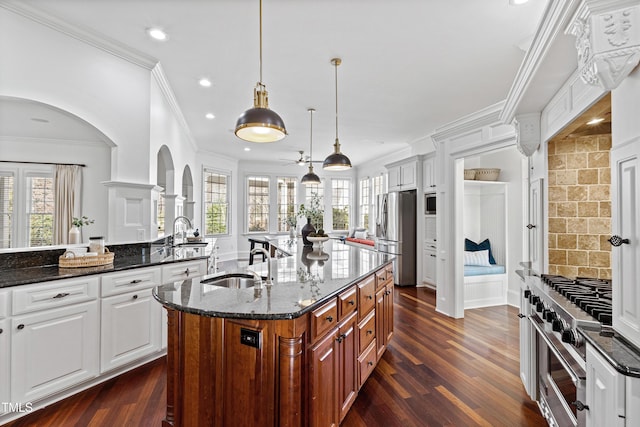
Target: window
{"points": [[216, 202], [258, 204], [364, 197], [340, 203], [311, 189], [6, 209], [161, 205], [377, 187], [286, 201], [40, 207]]}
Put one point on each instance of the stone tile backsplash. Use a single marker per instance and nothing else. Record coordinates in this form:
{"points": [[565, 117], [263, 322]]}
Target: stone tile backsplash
{"points": [[580, 206]]}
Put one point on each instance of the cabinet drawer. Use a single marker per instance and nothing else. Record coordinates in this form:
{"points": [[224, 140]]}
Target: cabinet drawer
{"points": [[367, 363], [347, 302], [366, 296], [183, 270], [4, 304], [60, 293], [367, 331], [130, 280], [323, 319]]}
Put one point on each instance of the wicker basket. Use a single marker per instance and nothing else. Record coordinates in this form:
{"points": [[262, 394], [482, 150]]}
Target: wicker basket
{"points": [[487, 174], [469, 174], [85, 261]]}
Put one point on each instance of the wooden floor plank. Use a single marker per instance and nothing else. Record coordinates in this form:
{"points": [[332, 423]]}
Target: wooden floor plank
{"points": [[437, 371]]}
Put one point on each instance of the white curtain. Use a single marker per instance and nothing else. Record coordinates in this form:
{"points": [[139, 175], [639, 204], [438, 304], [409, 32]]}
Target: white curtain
{"points": [[67, 186]]}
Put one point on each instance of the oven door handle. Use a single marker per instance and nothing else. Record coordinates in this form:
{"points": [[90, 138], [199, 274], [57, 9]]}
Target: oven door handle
{"points": [[574, 378]]}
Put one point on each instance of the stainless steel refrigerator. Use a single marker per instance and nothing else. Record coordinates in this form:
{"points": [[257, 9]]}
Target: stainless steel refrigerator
{"points": [[396, 233]]}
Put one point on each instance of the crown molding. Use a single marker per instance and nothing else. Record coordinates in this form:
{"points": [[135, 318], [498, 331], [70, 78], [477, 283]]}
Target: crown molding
{"points": [[134, 185], [30, 139], [553, 22], [167, 92], [84, 35], [487, 116]]}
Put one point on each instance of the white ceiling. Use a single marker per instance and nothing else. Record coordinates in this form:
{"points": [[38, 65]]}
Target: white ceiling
{"points": [[409, 66]]}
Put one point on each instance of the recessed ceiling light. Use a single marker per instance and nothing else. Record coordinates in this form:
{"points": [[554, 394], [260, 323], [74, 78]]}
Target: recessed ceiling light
{"points": [[247, 149], [595, 121], [210, 116], [204, 82], [517, 2], [157, 34]]}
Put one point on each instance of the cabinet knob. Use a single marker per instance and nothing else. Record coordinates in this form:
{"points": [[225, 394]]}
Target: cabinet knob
{"points": [[369, 296], [580, 406], [351, 302], [341, 338], [21, 326], [135, 296], [369, 331], [617, 241], [530, 226], [329, 319], [432, 255], [370, 363], [61, 295], [520, 315]]}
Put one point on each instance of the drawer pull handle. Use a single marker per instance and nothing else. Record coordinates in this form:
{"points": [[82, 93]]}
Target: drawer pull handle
{"points": [[387, 293], [341, 338], [432, 255], [617, 241], [370, 363], [369, 296], [369, 332], [21, 326], [135, 297], [135, 281], [351, 302], [61, 295], [329, 319]]}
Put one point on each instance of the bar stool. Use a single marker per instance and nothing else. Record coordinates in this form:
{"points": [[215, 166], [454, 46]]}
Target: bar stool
{"points": [[263, 243]]}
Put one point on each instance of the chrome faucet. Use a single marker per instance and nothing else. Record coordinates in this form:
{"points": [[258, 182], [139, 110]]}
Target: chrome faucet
{"points": [[175, 221], [266, 254]]}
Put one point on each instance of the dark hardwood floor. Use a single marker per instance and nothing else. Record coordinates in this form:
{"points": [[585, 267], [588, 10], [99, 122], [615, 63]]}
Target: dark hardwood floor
{"points": [[437, 371]]}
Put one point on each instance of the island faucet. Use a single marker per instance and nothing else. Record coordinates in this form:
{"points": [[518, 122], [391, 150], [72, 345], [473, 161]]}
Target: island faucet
{"points": [[175, 221], [268, 256]]}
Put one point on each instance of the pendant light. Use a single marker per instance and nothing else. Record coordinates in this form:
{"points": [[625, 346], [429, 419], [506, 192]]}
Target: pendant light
{"points": [[336, 161], [310, 177], [260, 124]]}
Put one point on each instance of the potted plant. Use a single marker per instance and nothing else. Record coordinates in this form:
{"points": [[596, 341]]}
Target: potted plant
{"points": [[292, 222], [76, 226], [314, 214]]}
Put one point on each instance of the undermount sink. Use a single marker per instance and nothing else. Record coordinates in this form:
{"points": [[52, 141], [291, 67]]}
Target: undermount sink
{"points": [[232, 281]]}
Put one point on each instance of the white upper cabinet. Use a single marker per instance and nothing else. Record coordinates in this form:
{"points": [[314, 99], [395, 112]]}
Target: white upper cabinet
{"points": [[403, 176], [625, 253], [429, 174]]}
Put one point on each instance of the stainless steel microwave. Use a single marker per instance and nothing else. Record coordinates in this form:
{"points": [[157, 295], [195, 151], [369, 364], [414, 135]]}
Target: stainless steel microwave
{"points": [[430, 204]]}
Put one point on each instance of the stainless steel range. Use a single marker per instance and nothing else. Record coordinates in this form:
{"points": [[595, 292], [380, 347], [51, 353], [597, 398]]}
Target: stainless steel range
{"points": [[557, 307]]}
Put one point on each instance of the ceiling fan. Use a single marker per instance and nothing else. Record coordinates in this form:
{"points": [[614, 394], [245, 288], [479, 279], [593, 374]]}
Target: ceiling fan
{"points": [[301, 161]]}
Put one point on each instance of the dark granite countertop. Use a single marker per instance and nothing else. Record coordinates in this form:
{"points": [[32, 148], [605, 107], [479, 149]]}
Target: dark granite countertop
{"points": [[621, 354], [129, 257], [302, 281]]}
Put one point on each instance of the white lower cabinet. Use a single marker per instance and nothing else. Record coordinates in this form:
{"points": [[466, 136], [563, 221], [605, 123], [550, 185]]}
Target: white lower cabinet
{"points": [[183, 270], [605, 392], [5, 367], [130, 328], [429, 265], [53, 349]]}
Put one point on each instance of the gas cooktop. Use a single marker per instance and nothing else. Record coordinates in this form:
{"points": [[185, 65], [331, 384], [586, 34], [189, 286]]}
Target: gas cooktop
{"points": [[593, 296]]}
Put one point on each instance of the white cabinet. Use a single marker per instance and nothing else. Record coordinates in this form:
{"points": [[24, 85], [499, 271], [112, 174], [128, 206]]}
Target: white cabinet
{"points": [[527, 344], [429, 173], [403, 176], [536, 223], [625, 211], [605, 392], [5, 359], [183, 270], [429, 265], [130, 328], [53, 349]]}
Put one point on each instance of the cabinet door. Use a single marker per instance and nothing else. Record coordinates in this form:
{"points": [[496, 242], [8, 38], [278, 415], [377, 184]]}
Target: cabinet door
{"points": [[395, 182], [53, 350], [428, 171], [381, 344], [347, 372], [527, 346], [323, 387], [536, 222], [5, 372], [429, 265], [388, 312], [605, 392], [130, 328], [625, 211], [408, 176]]}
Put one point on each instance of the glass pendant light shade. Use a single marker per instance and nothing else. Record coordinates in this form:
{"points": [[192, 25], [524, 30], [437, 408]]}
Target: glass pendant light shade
{"points": [[336, 161], [260, 124], [310, 177]]}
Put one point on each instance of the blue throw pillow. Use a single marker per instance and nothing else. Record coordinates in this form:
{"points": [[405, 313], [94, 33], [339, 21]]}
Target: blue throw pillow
{"points": [[470, 245]]}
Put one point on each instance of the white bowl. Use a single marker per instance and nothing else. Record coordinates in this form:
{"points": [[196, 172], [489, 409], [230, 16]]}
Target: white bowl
{"points": [[315, 239]]}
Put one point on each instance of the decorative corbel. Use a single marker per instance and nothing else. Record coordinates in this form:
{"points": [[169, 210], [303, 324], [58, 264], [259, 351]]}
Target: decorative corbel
{"points": [[607, 40], [527, 127]]}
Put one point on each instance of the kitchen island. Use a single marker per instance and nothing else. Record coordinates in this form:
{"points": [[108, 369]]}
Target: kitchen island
{"points": [[292, 353]]}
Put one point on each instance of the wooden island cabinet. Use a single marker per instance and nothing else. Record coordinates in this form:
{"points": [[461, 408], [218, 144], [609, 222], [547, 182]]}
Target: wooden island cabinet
{"points": [[306, 370]]}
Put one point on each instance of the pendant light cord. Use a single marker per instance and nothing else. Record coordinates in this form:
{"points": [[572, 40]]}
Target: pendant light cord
{"points": [[311, 138], [261, 42], [336, 67]]}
